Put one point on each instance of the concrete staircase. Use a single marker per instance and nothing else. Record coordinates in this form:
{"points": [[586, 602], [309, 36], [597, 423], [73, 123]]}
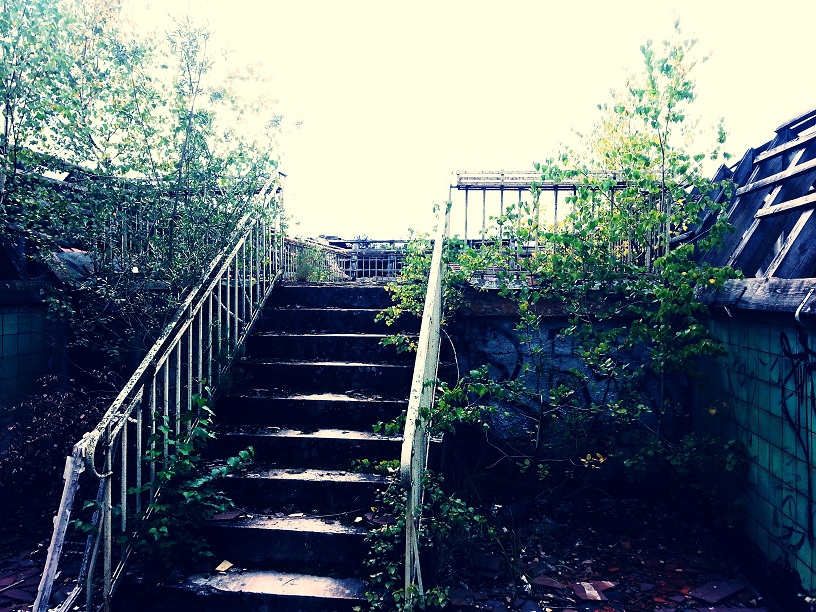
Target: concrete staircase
{"points": [[312, 383]]}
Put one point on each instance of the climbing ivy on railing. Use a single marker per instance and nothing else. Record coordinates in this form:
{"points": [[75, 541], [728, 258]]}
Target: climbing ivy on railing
{"points": [[452, 529], [183, 495]]}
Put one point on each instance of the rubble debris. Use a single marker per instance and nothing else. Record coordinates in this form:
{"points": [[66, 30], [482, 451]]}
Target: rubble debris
{"points": [[591, 591], [717, 590]]}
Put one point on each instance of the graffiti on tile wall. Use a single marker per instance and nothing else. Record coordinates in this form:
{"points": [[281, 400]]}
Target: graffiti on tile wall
{"points": [[799, 414], [791, 370]]}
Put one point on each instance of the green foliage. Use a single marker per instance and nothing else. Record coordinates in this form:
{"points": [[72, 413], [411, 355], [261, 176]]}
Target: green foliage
{"points": [[183, 495], [162, 153], [310, 265], [186, 491], [450, 529], [41, 429], [408, 292], [621, 269], [693, 470]]}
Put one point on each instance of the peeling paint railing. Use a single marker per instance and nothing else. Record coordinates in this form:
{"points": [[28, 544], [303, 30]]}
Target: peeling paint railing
{"points": [[193, 352], [415, 441]]}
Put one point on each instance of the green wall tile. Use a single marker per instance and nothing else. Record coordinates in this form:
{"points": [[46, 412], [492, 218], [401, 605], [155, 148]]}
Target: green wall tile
{"points": [[9, 323], [9, 346]]}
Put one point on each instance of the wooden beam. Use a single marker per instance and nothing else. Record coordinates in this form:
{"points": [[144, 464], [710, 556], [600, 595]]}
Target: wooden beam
{"points": [[744, 240], [748, 233], [790, 240], [796, 142], [808, 118], [778, 177], [786, 207], [764, 294], [743, 168]]}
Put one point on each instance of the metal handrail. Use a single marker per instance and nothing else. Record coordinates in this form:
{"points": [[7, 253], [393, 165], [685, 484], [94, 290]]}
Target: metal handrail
{"points": [[192, 353], [413, 460]]}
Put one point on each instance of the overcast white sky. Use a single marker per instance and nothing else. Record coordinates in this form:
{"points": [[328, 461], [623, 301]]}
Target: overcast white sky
{"points": [[394, 96]]}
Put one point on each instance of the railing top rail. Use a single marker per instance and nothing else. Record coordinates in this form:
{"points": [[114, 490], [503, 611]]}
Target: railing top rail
{"points": [[254, 278], [513, 179], [428, 336], [308, 242]]}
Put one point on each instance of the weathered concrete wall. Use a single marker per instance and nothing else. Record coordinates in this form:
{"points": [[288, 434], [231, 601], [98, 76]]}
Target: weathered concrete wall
{"points": [[484, 333], [764, 395]]}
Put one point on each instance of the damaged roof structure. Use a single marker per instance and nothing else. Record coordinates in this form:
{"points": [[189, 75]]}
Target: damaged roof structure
{"points": [[772, 213]]}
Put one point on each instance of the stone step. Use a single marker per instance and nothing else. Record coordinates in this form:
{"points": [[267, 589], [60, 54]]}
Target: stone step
{"points": [[328, 376], [351, 295], [325, 347], [271, 490], [318, 449], [246, 590], [295, 543], [331, 320], [332, 410]]}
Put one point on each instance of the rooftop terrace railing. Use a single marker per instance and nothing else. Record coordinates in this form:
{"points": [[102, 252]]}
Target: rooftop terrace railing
{"points": [[343, 260]]}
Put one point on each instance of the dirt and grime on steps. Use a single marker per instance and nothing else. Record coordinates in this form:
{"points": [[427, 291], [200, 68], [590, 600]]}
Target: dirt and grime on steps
{"points": [[608, 555]]}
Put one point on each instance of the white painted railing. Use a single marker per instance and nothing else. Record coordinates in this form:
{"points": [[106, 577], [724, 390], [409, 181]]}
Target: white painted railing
{"points": [[414, 456], [195, 349]]}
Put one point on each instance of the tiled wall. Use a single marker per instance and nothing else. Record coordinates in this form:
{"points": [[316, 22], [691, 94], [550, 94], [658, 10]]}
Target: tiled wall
{"points": [[764, 395], [26, 347]]}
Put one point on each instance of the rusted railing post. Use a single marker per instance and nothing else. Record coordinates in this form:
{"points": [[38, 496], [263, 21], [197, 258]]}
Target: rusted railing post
{"points": [[74, 466]]}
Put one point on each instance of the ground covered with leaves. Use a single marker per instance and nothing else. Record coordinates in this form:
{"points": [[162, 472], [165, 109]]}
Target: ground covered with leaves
{"points": [[607, 555], [602, 555]]}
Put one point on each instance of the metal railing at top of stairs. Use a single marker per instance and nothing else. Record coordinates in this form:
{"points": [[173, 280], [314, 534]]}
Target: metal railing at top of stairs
{"points": [[312, 261], [197, 346], [414, 457]]}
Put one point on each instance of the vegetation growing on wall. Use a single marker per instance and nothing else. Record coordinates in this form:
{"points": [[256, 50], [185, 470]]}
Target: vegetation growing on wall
{"points": [[622, 271]]}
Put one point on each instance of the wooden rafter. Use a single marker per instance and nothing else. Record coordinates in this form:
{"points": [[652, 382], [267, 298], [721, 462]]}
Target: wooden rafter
{"points": [[772, 207]]}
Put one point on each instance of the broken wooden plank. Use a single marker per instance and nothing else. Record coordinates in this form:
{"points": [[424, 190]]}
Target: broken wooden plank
{"points": [[718, 590], [591, 590], [778, 177], [765, 294], [744, 167], [801, 122], [799, 229], [786, 207], [792, 144], [729, 295]]}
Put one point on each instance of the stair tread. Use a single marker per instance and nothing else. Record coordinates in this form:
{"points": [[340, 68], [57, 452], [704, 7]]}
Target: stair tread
{"points": [[273, 394], [280, 583], [285, 334], [296, 523], [324, 434], [315, 475], [296, 362], [320, 308]]}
